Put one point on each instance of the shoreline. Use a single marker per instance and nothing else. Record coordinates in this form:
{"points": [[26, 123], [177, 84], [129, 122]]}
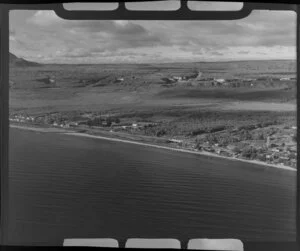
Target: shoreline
{"points": [[86, 135]]}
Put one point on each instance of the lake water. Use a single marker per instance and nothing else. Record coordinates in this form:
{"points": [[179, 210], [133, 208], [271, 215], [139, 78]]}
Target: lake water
{"points": [[62, 186]]}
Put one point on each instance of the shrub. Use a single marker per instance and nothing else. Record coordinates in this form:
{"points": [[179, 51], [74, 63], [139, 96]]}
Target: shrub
{"points": [[97, 121], [198, 145], [236, 149], [259, 136], [160, 133], [253, 155], [245, 135], [261, 157], [211, 138], [116, 120], [94, 122], [249, 152], [89, 122], [217, 129], [247, 127], [197, 132], [262, 150], [226, 139], [268, 123]]}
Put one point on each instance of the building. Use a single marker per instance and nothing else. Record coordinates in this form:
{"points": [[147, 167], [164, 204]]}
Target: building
{"points": [[177, 78], [169, 80], [220, 80], [52, 81], [284, 79], [175, 141], [82, 122], [119, 79]]}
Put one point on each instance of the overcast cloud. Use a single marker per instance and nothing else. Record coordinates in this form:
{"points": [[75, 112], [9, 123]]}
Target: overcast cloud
{"points": [[43, 37]]}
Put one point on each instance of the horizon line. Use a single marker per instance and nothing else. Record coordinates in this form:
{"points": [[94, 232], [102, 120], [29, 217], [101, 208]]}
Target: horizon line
{"points": [[179, 62]]}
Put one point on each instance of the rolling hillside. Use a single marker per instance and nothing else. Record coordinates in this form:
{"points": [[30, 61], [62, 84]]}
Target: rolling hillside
{"points": [[15, 61]]}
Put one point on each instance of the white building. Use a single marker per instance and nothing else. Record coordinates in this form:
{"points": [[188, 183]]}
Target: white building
{"points": [[199, 75], [284, 79], [175, 140], [249, 79], [177, 78], [220, 80]]}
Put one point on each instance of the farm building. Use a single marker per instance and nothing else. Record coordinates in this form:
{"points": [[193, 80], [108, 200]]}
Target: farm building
{"points": [[175, 141], [284, 79], [177, 78], [220, 80], [119, 79]]}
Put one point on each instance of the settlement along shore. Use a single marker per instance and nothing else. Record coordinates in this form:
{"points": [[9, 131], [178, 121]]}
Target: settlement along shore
{"points": [[117, 138]]}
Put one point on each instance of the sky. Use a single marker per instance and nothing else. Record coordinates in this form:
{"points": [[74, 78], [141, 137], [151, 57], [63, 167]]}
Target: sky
{"points": [[43, 37]]}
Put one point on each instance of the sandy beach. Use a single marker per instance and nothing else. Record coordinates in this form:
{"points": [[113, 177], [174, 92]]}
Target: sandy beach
{"points": [[74, 133]]}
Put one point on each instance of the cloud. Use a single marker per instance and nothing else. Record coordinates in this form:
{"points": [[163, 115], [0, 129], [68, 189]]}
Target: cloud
{"points": [[77, 53], [123, 34], [243, 52], [261, 28], [44, 18], [12, 35], [111, 34], [216, 53], [108, 40]]}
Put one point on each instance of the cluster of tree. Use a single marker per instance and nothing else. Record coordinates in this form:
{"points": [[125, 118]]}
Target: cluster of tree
{"points": [[295, 137], [98, 121], [227, 137], [250, 152], [50, 119]]}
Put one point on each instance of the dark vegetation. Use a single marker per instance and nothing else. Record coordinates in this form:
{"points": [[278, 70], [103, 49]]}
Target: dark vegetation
{"points": [[116, 97], [234, 94]]}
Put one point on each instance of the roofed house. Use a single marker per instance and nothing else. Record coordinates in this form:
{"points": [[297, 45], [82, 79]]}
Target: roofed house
{"points": [[284, 79], [177, 78], [50, 80], [119, 80], [220, 80], [175, 140]]}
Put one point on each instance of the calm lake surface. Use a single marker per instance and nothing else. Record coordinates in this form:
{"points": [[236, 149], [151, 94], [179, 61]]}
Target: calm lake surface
{"points": [[62, 186]]}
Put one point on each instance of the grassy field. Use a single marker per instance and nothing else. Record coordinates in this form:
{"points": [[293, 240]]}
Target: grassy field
{"points": [[188, 110]]}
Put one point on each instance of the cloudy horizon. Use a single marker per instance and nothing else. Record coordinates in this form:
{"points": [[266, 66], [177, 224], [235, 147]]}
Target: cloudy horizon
{"points": [[43, 37]]}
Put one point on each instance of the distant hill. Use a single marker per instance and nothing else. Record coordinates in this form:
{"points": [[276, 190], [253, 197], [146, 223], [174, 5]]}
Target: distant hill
{"points": [[15, 61]]}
